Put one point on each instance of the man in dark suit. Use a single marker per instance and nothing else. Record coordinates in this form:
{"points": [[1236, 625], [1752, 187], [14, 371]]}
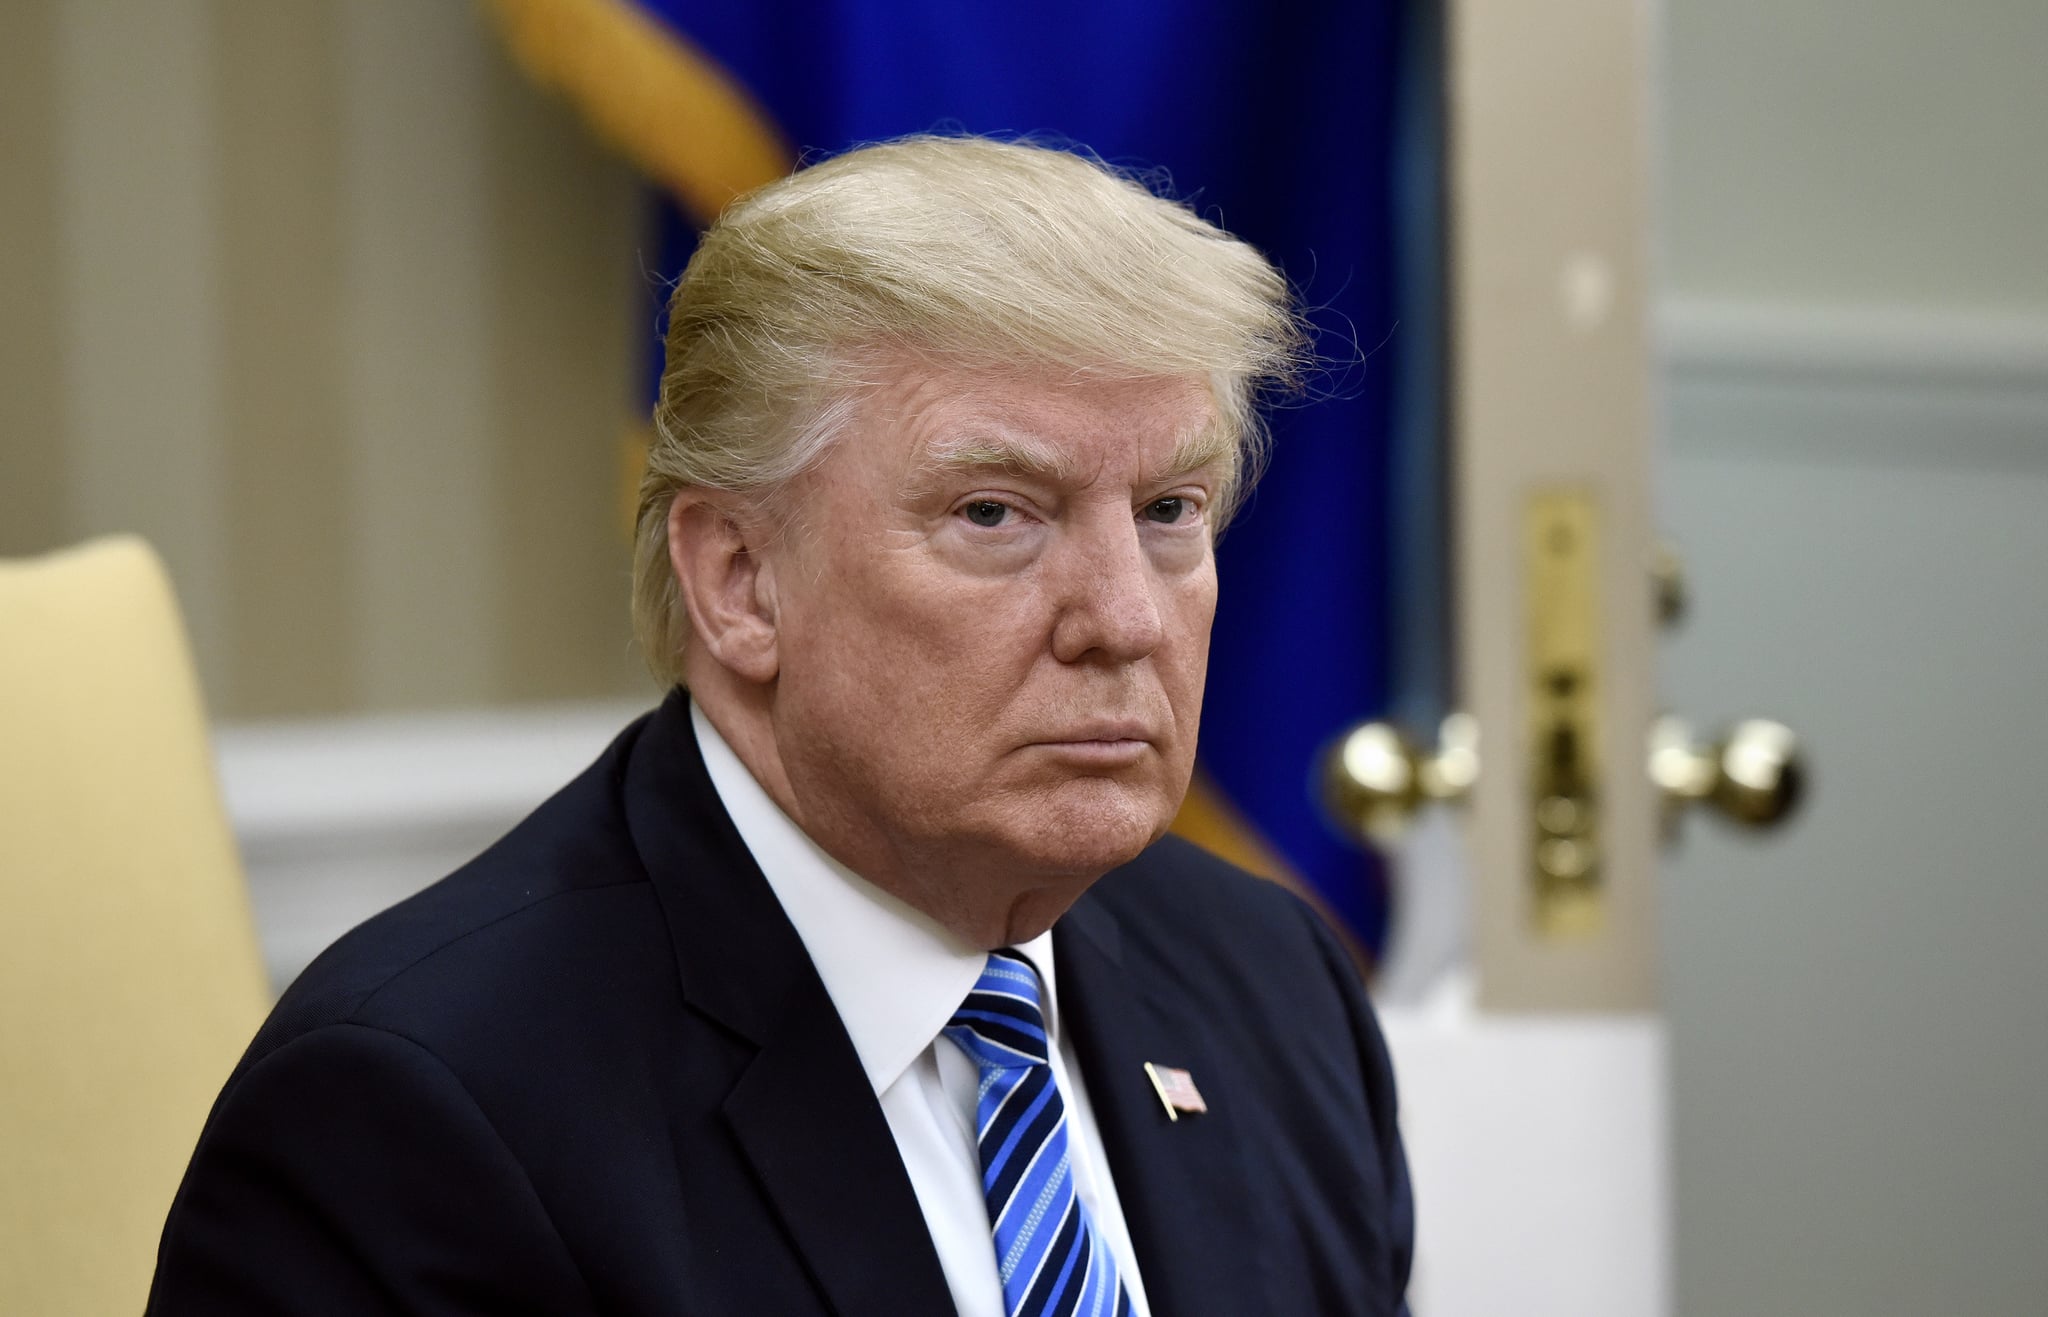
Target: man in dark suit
{"points": [[858, 979]]}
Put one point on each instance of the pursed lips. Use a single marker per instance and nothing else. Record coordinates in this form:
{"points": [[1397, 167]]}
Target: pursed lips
{"points": [[1102, 733]]}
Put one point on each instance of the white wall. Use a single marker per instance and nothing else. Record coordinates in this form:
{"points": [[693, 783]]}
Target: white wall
{"points": [[1857, 151]]}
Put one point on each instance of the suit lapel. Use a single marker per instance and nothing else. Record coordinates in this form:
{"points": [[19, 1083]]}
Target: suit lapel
{"points": [[1182, 1184], [817, 1139], [802, 1112]]}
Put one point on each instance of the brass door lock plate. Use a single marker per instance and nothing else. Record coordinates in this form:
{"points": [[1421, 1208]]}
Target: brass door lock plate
{"points": [[1562, 551]]}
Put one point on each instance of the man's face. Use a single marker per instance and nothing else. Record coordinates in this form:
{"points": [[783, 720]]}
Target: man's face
{"points": [[992, 628]]}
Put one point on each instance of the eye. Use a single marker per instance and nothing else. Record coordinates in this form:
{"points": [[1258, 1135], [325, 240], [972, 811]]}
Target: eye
{"points": [[986, 512], [1166, 511]]}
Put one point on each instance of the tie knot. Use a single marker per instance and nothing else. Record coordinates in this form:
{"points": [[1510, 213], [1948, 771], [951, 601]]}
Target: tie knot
{"points": [[1002, 1024]]}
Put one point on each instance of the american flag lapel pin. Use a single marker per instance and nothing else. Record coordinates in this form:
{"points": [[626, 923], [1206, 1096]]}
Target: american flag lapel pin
{"points": [[1176, 1089]]}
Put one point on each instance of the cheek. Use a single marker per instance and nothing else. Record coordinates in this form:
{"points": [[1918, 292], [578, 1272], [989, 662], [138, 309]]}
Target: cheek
{"points": [[908, 657], [1192, 614], [1194, 621]]}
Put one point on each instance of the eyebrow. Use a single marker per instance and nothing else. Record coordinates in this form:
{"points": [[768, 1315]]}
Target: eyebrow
{"points": [[1195, 450], [1024, 456], [1017, 455]]}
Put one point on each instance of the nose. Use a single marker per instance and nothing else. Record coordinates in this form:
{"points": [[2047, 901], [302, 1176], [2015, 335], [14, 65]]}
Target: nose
{"points": [[1109, 598]]}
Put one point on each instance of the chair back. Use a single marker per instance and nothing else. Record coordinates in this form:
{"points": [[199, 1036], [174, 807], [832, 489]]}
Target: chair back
{"points": [[130, 979]]}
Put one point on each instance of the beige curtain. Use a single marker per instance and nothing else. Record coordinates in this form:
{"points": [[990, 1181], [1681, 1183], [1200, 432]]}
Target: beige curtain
{"points": [[327, 302]]}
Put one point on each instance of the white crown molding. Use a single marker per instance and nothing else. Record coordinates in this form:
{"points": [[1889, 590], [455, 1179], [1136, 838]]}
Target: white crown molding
{"points": [[1897, 386], [343, 778], [339, 817], [1897, 345]]}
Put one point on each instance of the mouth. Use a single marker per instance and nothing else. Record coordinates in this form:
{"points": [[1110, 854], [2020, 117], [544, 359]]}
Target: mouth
{"points": [[1103, 732], [1097, 754], [1100, 744]]}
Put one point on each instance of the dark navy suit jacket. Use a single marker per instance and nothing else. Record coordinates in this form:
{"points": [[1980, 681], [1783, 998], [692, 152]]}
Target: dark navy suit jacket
{"points": [[594, 1071]]}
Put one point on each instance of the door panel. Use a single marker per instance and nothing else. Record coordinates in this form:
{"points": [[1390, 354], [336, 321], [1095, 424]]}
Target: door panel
{"points": [[1857, 1005]]}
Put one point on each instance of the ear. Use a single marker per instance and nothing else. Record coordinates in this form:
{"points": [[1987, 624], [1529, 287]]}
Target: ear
{"points": [[714, 548]]}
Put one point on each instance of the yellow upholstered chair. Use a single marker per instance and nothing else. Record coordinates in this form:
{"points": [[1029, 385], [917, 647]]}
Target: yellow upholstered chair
{"points": [[129, 973]]}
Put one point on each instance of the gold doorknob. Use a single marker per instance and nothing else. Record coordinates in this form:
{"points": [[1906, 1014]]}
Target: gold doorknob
{"points": [[1375, 779], [1754, 775]]}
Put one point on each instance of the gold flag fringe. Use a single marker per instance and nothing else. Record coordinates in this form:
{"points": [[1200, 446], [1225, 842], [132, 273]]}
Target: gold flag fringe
{"points": [[684, 121]]}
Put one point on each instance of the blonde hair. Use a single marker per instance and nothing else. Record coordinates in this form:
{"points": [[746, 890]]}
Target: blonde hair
{"points": [[968, 250]]}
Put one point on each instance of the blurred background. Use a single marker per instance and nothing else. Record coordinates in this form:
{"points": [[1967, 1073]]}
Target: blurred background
{"points": [[348, 307]]}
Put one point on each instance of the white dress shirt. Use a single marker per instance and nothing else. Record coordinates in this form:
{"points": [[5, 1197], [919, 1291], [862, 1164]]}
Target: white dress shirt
{"points": [[896, 978]]}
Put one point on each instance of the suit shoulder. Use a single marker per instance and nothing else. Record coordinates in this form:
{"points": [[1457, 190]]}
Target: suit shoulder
{"points": [[1177, 885], [1231, 943], [523, 902]]}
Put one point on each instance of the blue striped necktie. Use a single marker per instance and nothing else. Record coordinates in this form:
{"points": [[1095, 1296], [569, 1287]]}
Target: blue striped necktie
{"points": [[1051, 1260]]}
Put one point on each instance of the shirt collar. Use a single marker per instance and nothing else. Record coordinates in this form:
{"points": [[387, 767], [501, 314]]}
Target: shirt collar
{"points": [[893, 973]]}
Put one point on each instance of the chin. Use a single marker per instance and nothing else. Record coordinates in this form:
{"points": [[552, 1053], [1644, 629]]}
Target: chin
{"points": [[1088, 833]]}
